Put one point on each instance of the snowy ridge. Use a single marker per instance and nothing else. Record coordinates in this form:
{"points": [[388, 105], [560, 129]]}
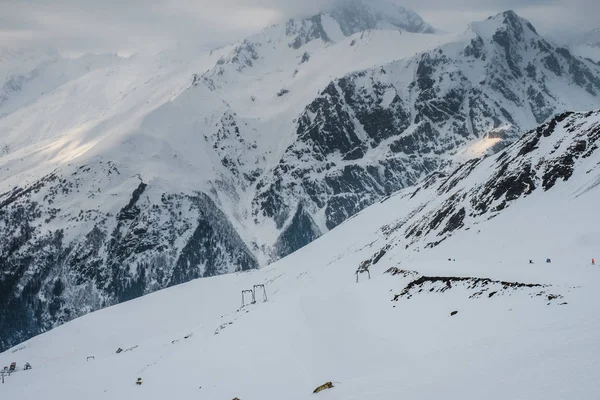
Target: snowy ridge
{"points": [[483, 188], [421, 326]]}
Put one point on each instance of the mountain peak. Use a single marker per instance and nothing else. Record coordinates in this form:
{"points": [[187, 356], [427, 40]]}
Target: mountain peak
{"points": [[507, 29], [360, 15], [510, 20]]}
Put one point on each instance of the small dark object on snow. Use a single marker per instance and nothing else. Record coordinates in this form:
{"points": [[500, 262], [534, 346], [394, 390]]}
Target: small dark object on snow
{"points": [[530, 261], [90, 358], [235, 398], [132, 348], [453, 313], [119, 350], [139, 381], [13, 367], [548, 261], [27, 366], [324, 386], [362, 269]]}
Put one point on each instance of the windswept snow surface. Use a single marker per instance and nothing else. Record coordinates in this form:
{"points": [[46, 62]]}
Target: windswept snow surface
{"points": [[320, 325]]}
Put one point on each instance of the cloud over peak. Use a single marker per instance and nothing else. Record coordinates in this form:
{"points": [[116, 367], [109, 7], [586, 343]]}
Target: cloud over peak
{"points": [[151, 25]]}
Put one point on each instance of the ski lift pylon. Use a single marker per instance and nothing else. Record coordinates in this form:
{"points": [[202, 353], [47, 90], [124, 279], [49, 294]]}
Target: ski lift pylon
{"points": [[264, 292]]}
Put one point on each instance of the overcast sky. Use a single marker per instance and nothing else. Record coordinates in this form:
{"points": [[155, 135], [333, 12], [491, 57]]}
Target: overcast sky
{"points": [[74, 26]]}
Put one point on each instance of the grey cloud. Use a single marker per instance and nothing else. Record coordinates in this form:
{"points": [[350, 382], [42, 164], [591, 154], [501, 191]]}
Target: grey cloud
{"points": [[127, 25]]}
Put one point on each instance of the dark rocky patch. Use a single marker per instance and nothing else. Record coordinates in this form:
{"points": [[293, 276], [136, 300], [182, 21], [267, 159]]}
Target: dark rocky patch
{"points": [[46, 280], [306, 31], [437, 284], [301, 231]]}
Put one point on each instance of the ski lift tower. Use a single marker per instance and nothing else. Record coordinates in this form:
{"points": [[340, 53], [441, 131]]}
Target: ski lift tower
{"points": [[244, 293], [264, 292], [361, 270], [252, 293]]}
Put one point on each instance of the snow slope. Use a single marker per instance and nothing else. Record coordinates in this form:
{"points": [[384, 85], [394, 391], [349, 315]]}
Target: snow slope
{"points": [[388, 336]]}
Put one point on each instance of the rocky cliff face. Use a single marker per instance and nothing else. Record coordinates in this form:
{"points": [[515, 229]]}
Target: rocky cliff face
{"points": [[58, 264], [541, 162], [374, 132]]}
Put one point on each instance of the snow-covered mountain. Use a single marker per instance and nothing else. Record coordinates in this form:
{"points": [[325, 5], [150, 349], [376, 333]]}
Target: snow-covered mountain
{"points": [[130, 175], [451, 303], [378, 130]]}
